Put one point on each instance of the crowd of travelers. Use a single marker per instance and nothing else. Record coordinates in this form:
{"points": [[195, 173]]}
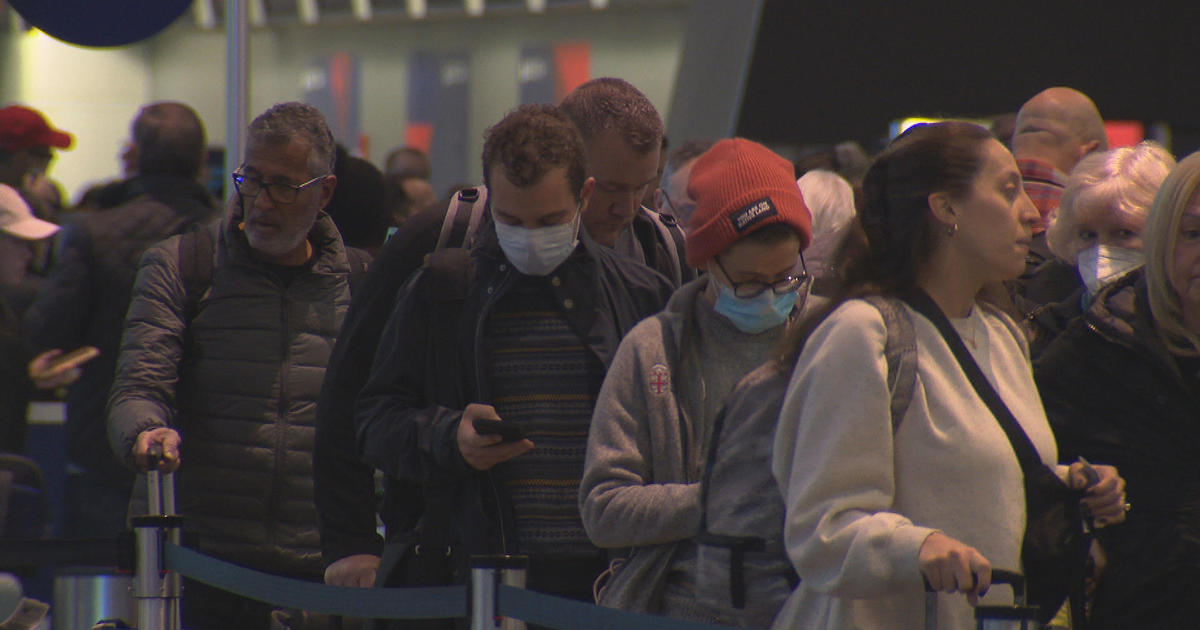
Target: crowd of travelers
{"points": [[709, 382]]}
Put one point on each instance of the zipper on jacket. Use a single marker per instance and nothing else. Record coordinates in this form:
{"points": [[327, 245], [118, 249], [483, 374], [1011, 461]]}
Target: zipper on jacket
{"points": [[280, 441]]}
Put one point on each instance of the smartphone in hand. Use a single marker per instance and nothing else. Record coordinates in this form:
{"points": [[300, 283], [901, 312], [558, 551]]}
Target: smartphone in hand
{"points": [[72, 359], [507, 431]]}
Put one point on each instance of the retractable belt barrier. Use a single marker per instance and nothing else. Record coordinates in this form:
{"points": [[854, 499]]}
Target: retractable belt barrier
{"points": [[408, 603], [494, 600], [375, 603]]}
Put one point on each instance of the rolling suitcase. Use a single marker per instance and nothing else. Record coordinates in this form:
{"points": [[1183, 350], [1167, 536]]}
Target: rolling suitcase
{"points": [[1017, 616]]}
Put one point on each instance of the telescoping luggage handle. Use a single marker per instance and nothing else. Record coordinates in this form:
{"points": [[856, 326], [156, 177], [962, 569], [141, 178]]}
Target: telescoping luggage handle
{"points": [[1016, 616], [156, 590]]}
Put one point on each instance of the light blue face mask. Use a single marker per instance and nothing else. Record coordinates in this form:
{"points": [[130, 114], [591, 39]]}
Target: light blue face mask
{"points": [[757, 314]]}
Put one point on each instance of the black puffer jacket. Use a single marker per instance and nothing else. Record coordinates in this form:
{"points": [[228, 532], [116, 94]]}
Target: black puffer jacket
{"points": [[249, 369], [84, 298], [1116, 395]]}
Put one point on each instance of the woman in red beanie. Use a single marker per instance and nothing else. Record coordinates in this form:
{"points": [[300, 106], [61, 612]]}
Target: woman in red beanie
{"points": [[672, 373], [876, 504]]}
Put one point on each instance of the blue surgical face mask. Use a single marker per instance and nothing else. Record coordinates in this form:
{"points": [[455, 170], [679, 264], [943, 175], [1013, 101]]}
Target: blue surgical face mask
{"points": [[757, 314], [538, 251]]}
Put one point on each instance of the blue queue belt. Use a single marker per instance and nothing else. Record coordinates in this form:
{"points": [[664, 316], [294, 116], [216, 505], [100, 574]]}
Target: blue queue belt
{"points": [[373, 603], [409, 603], [556, 612]]}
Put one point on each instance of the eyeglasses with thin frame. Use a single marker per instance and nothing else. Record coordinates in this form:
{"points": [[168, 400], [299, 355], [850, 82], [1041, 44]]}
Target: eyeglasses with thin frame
{"points": [[752, 289], [277, 192], [670, 204]]}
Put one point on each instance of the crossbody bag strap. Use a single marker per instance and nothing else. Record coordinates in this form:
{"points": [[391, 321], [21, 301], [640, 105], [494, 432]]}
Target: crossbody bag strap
{"points": [[1026, 453]]}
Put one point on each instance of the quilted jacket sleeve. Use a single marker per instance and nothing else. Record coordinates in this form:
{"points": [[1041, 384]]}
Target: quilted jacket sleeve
{"points": [[143, 392]]}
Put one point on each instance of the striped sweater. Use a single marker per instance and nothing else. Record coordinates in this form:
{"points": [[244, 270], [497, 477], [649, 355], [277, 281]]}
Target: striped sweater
{"points": [[545, 380]]}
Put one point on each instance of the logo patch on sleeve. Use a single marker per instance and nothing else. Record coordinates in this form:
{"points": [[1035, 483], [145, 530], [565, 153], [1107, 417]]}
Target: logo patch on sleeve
{"points": [[752, 214], [660, 379]]}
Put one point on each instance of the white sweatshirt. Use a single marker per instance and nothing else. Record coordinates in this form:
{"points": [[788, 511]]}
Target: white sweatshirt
{"points": [[861, 501]]}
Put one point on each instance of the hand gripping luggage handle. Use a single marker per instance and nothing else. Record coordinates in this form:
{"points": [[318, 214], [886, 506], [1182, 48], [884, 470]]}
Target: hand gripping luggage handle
{"points": [[160, 486], [154, 456], [999, 576]]}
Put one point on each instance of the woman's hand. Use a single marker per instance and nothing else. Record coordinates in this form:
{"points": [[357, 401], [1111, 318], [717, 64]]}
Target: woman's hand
{"points": [[1104, 499], [952, 567]]}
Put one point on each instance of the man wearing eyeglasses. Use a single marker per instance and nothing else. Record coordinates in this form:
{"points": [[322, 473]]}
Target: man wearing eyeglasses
{"points": [[225, 377], [673, 372], [671, 196]]}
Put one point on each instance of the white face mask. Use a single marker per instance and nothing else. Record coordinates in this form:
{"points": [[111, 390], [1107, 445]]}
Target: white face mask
{"points": [[538, 251], [1100, 264]]}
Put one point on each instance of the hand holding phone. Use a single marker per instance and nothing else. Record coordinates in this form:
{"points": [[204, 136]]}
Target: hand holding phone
{"points": [[476, 444], [507, 431], [53, 368]]}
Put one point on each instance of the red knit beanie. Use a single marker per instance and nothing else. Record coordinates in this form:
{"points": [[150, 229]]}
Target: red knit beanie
{"points": [[741, 187]]}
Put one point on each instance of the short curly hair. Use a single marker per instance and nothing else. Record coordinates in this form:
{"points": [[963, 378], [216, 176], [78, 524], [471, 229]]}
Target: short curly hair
{"points": [[609, 103], [283, 121], [530, 141]]}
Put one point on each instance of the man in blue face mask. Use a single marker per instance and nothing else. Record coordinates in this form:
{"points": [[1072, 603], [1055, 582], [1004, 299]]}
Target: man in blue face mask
{"points": [[489, 367], [673, 372]]}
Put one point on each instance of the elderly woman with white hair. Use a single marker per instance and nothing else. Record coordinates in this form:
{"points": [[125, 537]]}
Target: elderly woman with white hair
{"points": [[830, 199], [1097, 234], [1122, 386]]}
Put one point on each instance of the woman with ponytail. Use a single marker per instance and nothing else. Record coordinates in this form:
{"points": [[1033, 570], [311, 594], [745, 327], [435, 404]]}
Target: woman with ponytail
{"points": [[876, 505]]}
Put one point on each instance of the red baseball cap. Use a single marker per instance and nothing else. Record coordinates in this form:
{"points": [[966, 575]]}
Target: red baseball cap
{"points": [[25, 128]]}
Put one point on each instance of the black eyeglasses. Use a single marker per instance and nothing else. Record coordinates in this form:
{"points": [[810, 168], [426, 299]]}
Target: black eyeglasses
{"points": [[278, 192], [788, 284]]}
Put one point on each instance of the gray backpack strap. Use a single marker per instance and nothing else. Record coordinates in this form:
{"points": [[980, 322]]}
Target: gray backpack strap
{"points": [[900, 350], [672, 239], [462, 217]]}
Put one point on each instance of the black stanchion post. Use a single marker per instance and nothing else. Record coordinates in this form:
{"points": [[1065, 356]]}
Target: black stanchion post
{"points": [[487, 573]]}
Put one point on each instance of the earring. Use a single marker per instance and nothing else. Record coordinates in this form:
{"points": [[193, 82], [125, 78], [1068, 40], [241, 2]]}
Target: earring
{"points": [[952, 230]]}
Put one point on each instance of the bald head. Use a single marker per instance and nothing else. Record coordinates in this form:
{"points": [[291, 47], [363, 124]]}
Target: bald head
{"points": [[1060, 126]]}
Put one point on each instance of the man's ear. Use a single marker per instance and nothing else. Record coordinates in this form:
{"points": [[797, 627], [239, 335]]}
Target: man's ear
{"points": [[327, 187], [1085, 149], [585, 193], [659, 198], [942, 209]]}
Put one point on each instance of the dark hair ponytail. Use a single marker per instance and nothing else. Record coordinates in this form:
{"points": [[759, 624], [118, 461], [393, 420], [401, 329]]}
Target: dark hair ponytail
{"points": [[893, 233]]}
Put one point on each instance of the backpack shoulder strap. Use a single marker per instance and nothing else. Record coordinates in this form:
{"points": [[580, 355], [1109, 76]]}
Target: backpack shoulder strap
{"points": [[449, 271], [900, 350], [196, 248], [462, 217], [672, 239], [359, 261]]}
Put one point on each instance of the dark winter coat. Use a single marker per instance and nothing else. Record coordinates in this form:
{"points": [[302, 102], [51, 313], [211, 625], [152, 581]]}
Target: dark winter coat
{"points": [[84, 298], [343, 484], [1115, 395], [427, 370]]}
